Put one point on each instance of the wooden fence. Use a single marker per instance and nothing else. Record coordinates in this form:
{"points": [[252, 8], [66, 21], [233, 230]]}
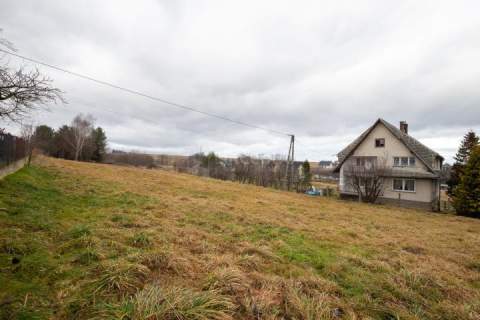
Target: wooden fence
{"points": [[12, 149]]}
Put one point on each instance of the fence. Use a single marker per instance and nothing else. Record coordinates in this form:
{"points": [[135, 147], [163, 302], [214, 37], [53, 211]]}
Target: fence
{"points": [[12, 149]]}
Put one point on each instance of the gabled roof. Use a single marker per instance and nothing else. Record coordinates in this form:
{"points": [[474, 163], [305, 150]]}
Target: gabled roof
{"points": [[425, 154]]}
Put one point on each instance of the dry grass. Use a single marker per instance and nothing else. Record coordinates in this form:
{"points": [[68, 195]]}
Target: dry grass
{"points": [[157, 244]]}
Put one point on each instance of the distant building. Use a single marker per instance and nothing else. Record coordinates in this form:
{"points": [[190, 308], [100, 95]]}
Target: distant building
{"points": [[326, 164], [413, 174]]}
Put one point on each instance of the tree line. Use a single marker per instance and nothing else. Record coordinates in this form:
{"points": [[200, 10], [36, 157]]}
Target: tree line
{"points": [[80, 140], [259, 171]]}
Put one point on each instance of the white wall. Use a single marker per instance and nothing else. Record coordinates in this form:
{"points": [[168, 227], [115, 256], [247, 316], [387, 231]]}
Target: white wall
{"points": [[393, 148], [423, 191]]}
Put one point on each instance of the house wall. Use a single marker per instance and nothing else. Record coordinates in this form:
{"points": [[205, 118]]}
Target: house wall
{"points": [[424, 188], [393, 148], [423, 191]]}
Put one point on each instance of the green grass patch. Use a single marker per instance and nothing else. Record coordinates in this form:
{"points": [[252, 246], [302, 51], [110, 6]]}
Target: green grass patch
{"points": [[50, 237]]}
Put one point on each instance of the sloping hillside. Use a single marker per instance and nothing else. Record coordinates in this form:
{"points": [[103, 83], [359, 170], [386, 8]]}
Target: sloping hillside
{"points": [[82, 241]]}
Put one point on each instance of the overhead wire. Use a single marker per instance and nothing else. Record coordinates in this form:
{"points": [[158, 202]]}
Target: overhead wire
{"points": [[139, 93]]}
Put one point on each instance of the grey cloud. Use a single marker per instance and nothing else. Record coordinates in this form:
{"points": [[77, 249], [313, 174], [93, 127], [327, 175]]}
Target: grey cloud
{"points": [[322, 70]]}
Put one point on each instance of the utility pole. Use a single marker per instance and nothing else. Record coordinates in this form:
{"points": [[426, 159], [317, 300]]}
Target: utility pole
{"points": [[290, 159]]}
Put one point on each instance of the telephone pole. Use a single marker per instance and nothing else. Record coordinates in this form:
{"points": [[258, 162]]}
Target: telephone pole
{"points": [[290, 159]]}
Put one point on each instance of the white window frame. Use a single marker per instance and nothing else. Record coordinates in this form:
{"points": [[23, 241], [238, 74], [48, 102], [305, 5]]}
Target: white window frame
{"points": [[410, 163], [403, 185]]}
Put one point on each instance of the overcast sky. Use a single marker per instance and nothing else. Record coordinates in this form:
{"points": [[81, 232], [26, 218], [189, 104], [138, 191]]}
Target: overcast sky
{"points": [[323, 70]]}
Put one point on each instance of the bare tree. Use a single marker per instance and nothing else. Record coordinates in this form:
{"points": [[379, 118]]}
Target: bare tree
{"points": [[22, 91], [28, 135], [82, 127], [366, 177], [131, 158]]}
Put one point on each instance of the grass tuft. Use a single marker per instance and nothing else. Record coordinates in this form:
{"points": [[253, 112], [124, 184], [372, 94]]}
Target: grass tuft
{"points": [[88, 256], [120, 279], [79, 231], [180, 304], [161, 260], [141, 240], [227, 281], [297, 304]]}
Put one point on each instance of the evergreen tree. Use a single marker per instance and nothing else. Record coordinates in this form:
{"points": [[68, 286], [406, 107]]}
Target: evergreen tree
{"points": [[44, 136], [62, 147], [466, 197], [307, 175], [470, 140], [304, 183], [99, 141], [210, 161]]}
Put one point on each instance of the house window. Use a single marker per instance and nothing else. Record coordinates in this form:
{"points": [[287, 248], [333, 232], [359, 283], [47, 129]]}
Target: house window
{"points": [[366, 162], [407, 185], [396, 161], [404, 161], [379, 143], [398, 184]]}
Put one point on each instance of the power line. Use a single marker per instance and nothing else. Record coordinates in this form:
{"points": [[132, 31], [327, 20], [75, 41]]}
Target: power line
{"points": [[105, 109], [138, 117], [135, 92]]}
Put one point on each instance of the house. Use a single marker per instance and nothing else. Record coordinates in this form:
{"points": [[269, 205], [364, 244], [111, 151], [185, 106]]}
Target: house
{"points": [[411, 171], [326, 164]]}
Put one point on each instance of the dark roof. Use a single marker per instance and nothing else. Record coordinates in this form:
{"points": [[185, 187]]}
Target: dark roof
{"points": [[325, 162], [425, 154]]}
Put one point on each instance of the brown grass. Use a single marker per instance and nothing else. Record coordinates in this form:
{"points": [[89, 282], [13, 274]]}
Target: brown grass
{"points": [[266, 254]]}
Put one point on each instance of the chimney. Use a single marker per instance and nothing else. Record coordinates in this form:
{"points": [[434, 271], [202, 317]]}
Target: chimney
{"points": [[404, 127]]}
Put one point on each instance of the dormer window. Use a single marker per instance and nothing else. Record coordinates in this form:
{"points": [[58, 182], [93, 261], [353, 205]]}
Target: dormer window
{"points": [[380, 143]]}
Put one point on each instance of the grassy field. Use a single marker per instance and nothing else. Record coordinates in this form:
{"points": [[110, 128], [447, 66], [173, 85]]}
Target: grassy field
{"points": [[83, 241]]}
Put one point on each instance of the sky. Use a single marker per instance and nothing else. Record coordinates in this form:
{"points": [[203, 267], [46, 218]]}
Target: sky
{"points": [[322, 70]]}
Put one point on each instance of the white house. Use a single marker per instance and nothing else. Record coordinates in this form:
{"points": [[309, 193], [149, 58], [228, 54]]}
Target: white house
{"points": [[412, 178]]}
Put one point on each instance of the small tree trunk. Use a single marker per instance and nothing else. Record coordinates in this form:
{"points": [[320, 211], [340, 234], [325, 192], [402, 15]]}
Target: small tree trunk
{"points": [[29, 158]]}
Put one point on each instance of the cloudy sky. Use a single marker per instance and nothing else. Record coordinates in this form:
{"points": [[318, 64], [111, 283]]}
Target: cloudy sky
{"points": [[323, 70]]}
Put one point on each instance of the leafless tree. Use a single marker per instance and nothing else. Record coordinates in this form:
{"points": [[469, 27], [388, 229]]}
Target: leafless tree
{"points": [[366, 177], [82, 127], [131, 158], [22, 91], [28, 135]]}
